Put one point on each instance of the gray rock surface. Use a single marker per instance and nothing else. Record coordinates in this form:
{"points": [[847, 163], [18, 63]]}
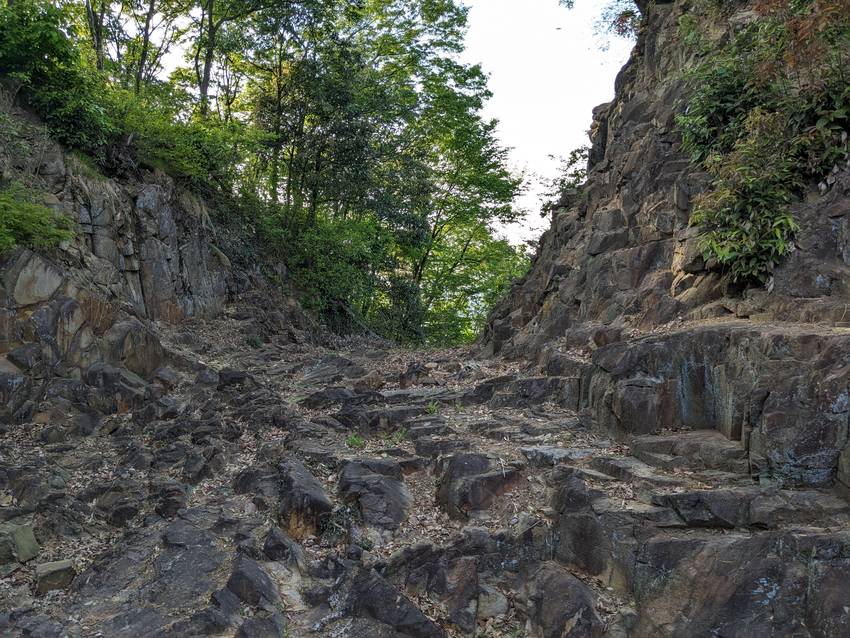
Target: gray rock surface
{"points": [[620, 300], [624, 474]]}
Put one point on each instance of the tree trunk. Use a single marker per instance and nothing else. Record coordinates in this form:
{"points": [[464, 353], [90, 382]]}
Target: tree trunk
{"points": [[314, 187], [146, 40], [95, 19], [209, 54], [278, 132]]}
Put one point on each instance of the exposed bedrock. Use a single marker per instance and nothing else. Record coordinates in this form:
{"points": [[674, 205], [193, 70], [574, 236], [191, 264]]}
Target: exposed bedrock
{"points": [[145, 250], [620, 297], [781, 391]]}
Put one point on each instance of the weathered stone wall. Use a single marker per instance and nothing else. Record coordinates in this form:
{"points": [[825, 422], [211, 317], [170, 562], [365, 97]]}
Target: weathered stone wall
{"points": [[144, 250], [674, 344], [782, 391]]}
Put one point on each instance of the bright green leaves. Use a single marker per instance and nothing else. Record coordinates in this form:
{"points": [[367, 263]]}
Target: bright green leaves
{"points": [[26, 222], [468, 273], [38, 55], [379, 142], [746, 217], [343, 138], [764, 123]]}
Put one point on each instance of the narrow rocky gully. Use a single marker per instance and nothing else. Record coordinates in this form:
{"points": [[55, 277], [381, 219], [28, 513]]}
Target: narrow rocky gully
{"points": [[638, 446], [352, 489]]}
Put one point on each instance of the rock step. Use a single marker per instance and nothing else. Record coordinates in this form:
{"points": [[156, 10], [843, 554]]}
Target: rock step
{"points": [[549, 455], [470, 483], [632, 470], [727, 553], [757, 508], [694, 450], [648, 478]]}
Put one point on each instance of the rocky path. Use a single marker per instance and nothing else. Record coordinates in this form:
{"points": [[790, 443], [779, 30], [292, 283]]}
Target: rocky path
{"points": [[266, 486]]}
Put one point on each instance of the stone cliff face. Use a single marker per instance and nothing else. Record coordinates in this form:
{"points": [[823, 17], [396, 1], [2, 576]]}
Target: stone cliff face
{"points": [[145, 250], [620, 299]]}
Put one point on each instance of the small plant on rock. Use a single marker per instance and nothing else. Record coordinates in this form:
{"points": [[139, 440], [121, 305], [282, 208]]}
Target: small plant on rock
{"points": [[399, 436], [355, 441], [433, 407], [26, 222]]}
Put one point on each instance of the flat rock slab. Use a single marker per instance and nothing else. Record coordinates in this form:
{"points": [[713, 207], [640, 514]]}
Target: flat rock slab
{"points": [[55, 575], [547, 455], [699, 449], [762, 508]]}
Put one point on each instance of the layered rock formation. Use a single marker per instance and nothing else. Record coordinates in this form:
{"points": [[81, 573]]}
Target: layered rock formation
{"points": [[80, 316], [620, 297], [661, 454]]}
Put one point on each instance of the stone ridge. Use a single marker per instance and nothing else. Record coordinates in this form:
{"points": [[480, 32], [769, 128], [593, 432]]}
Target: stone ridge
{"points": [[620, 299], [622, 254], [145, 250]]}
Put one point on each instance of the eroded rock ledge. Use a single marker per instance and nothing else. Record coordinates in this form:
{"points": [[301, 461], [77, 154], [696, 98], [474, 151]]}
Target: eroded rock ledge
{"points": [[620, 299]]}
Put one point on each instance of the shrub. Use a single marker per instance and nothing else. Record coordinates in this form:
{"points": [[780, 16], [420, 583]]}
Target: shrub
{"points": [[746, 217], [202, 154], [767, 113], [38, 53], [25, 222], [332, 261]]}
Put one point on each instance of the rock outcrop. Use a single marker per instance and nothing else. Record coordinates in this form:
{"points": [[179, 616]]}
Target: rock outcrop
{"points": [[660, 454], [620, 299], [80, 316], [270, 494]]}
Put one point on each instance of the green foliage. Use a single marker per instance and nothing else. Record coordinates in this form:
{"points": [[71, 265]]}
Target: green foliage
{"points": [[432, 407], [398, 437], [355, 442], [203, 154], [40, 56], [460, 290], [344, 139], [618, 17], [746, 219], [254, 341], [766, 115], [332, 262], [26, 222], [85, 165]]}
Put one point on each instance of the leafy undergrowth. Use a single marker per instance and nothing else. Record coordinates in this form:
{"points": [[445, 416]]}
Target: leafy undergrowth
{"points": [[768, 114], [26, 222]]}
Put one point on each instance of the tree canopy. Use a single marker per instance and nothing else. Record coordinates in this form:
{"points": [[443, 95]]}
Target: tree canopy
{"points": [[344, 135]]}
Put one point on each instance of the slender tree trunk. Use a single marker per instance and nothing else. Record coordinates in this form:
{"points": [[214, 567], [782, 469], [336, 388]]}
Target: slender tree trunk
{"points": [[419, 270], [290, 162], [435, 289], [96, 27], [209, 55], [314, 187], [278, 132], [146, 41]]}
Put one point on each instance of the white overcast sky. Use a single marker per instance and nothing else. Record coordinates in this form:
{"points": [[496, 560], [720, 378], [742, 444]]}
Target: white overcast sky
{"points": [[547, 71]]}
